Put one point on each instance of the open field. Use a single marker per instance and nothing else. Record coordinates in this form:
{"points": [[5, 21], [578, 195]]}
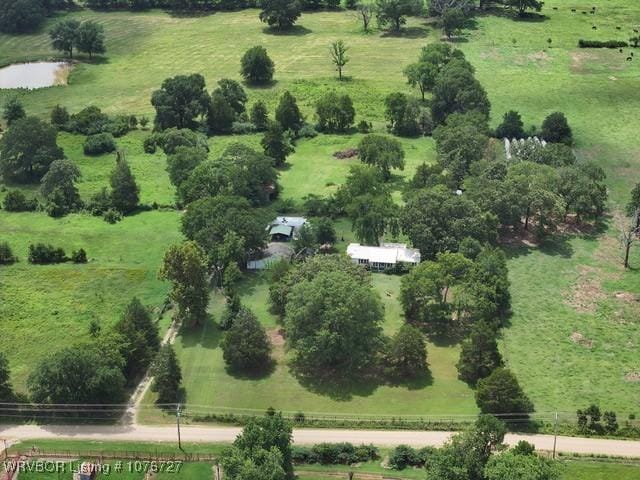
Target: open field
{"points": [[574, 285]]}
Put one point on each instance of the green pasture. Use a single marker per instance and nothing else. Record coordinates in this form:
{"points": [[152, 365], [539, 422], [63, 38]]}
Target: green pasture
{"points": [[573, 336]]}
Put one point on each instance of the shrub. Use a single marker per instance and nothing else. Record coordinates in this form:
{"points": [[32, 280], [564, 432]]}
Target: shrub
{"points": [[89, 121], [403, 456], [335, 113], [307, 131], [99, 143], [119, 126], [302, 455], [43, 254], [524, 448], [6, 254], [242, 128], [602, 44], [100, 202], [150, 144], [59, 116], [16, 201], [556, 129], [112, 216], [364, 126], [343, 453], [79, 256]]}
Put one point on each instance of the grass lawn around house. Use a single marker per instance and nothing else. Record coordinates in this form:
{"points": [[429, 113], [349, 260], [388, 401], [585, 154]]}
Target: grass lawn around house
{"points": [[211, 389], [572, 339]]}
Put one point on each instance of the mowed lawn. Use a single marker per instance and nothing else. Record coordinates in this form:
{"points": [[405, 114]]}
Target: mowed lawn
{"points": [[208, 384], [574, 332]]}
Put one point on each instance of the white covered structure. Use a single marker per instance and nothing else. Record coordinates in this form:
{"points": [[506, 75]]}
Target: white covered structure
{"points": [[385, 257]]}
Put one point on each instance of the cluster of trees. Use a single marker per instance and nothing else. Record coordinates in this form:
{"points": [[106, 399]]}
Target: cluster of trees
{"points": [[366, 199], [86, 37], [92, 121], [332, 318], [98, 369], [29, 154], [591, 420], [344, 453], [455, 291], [122, 198], [6, 254], [479, 454], [262, 451], [45, 254], [183, 103], [21, 16]]}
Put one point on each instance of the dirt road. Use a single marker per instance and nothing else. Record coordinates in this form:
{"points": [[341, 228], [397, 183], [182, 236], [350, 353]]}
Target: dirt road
{"points": [[305, 436]]}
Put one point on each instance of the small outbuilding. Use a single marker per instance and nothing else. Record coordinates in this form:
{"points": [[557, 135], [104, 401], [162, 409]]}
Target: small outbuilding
{"points": [[285, 229], [387, 256]]}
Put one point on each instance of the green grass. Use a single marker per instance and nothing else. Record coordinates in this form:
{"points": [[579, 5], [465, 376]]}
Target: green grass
{"points": [[52, 305], [597, 90], [111, 447], [594, 470], [208, 384]]}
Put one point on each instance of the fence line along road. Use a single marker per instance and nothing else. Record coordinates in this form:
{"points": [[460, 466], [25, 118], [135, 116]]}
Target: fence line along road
{"points": [[139, 433]]}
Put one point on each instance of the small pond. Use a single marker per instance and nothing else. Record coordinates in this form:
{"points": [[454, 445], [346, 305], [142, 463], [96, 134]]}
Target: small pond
{"points": [[34, 75]]}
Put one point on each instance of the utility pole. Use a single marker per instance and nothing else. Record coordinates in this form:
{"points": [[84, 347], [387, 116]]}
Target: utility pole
{"points": [[178, 425], [555, 435]]}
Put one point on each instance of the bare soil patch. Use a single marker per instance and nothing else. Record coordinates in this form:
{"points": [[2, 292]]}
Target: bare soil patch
{"points": [[587, 292], [277, 340], [577, 337], [632, 377], [347, 153]]}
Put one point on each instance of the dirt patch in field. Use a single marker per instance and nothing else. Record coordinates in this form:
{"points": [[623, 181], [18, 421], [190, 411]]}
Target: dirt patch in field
{"points": [[633, 377], [276, 338], [347, 153], [577, 337], [571, 226], [491, 54], [626, 297], [538, 57], [597, 60], [587, 292]]}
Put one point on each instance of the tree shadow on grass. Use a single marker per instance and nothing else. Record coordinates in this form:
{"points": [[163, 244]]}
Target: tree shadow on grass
{"points": [[512, 15], [557, 246], [189, 13], [416, 383], [409, 32], [257, 374], [261, 86], [341, 389], [207, 335], [295, 31]]}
